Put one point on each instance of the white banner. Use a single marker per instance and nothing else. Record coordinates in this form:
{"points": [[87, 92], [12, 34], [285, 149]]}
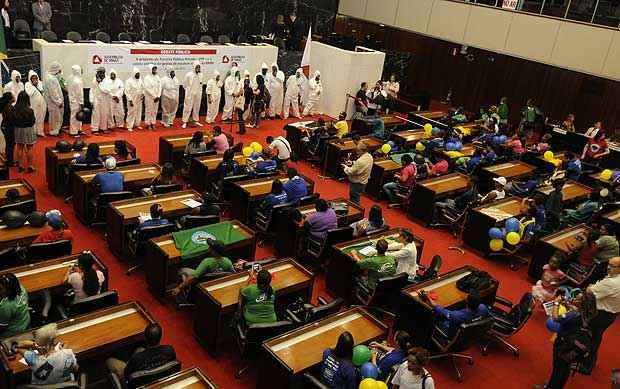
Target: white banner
{"points": [[510, 4]]}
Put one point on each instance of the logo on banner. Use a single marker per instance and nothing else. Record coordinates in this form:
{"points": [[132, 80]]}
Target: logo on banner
{"points": [[225, 59], [97, 60]]}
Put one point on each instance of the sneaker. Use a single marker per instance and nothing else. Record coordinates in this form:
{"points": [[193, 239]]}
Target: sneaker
{"points": [[184, 125], [140, 128], [130, 129]]}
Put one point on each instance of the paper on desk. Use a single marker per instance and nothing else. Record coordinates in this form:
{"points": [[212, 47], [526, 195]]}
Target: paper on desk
{"points": [[368, 251], [496, 214], [144, 217], [191, 203]]}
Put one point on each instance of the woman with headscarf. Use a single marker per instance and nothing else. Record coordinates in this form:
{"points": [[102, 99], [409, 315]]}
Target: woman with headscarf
{"points": [[152, 95], [15, 85], [169, 97], [34, 89], [134, 91], [75, 90], [214, 96], [54, 98], [193, 95], [315, 90]]}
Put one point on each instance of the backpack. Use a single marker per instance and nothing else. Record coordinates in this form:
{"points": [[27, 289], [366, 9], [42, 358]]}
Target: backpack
{"points": [[476, 280], [576, 349]]}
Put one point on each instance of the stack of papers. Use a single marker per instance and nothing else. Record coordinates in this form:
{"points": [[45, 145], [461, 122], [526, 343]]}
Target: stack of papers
{"points": [[191, 203], [144, 217], [368, 251]]}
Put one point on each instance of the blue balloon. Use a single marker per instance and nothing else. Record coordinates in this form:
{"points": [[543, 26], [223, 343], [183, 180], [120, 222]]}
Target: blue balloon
{"points": [[513, 225], [369, 370], [458, 145], [615, 175], [553, 325], [503, 138], [449, 146], [496, 233], [495, 140]]}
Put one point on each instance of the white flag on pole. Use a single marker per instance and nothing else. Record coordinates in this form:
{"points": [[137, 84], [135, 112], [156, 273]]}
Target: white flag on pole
{"points": [[305, 60]]}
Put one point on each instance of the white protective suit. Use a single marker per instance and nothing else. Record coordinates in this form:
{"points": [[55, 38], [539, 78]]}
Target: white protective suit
{"points": [[14, 86], [37, 101], [291, 97], [214, 96], [169, 97], [230, 84], [75, 89], [101, 94], [193, 94], [275, 85], [315, 90], [134, 91], [52, 92], [304, 89], [117, 112], [152, 95]]}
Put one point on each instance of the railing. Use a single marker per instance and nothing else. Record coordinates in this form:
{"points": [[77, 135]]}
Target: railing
{"points": [[600, 12]]}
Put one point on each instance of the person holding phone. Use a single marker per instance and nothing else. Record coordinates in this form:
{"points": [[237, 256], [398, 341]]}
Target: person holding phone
{"points": [[257, 298]]}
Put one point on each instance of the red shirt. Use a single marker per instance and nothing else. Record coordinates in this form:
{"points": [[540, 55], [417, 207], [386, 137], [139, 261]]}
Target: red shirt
{"points": [[595, 147], [53, 236], [440, 168], [408, 174]]}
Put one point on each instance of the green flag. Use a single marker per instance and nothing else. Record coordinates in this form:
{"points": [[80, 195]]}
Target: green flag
{"points": [[194, 242]]}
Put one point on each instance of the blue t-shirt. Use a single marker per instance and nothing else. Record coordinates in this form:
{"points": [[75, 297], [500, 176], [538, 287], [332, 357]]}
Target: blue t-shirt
{"points": [[451, 320], [109, 181], [385, 364], [274, 199], [573, 169], [295, 188], [336, 373]]}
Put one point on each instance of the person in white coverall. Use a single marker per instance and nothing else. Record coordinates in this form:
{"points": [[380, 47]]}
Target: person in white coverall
{"points": [[134, 92], [152, 95], [169, 97], [117, 90], [75, 89], [314, 96], [275, 85], [52, 92], [15, 85], [34, 88], [304, 90], [193, 95], [230, 84], [214, 96], [291, 96], [102, 102], [264, 69]]}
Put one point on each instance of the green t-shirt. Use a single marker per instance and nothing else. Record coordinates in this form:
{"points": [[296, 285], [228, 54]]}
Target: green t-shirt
{"points": [[15, 314], [529, 114], [378, 267], [214, 265], [258, 308]]}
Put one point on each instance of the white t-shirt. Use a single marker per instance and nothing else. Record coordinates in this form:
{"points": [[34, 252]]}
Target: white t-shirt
{"points": [[77, 283], [407, 380], [53, 368], [405, 258], [283, 147]]}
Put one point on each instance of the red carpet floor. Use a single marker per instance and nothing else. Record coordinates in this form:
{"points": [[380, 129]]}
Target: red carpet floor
{"points": [[499, 369]]}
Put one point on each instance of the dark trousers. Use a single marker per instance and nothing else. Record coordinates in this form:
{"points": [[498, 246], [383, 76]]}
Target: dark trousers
{"points": [[561, 371], [355, 191], [9, 138], [598, 325], [240, 120]]}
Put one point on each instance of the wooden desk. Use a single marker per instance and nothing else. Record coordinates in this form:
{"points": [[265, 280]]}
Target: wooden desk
{"points": [[434, 115], [285, 357], [296, 131], [416, 315], [572, 192], [613, 217], [365, 125], [541, 162], [123, 216], [575, 237], [596, 178], [467, 151], [217, 299], [339, 150], [135, 178], [22, 236], [192, 378], [407, 138], [342, 268], [510, 170], [172, 147], [202, 170], [245, 195], [26, 191], [164, 259], [50, 274], [382, 172], [56, 163], [428, 192], [91, 337], [290, 233], [482, 218]]}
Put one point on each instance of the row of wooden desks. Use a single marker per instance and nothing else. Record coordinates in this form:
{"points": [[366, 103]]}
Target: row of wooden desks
{"points": [[513, 170], [202, 170], [217, 299], [572, 192], [25, 189], [428, 192], [172, 147], [382, 172], [22, 236], [613, 217], [407, 138], [366, 125], [339, 150]]}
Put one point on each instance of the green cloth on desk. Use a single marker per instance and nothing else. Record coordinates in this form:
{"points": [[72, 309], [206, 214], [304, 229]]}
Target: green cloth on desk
{"points": [[398, 157], [193, 242]]}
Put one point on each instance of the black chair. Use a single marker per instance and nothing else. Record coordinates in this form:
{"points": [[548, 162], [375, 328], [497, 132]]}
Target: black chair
{"points": [[221, 188], [161, 189], [467, 335], [431, 271], [9, 258], [506, 323], [128, 162], [74, 36], [89, 304], [403, 193], [37, 252], [193, 221], [183, 39], [187, 160], [223, 39], [101, 203], [138, 242], [264, 222], [124, 36], [314, 382], [141, 378], [25, 207], [312, 313], [79, 383], [317, 248], [67, 176], [103, 37], [21, 29], [250, 338], [309, 199], [207, 39], [49, 36], [385, 294]]}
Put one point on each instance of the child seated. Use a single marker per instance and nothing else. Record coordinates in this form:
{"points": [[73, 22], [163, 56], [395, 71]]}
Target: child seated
{"points": [[552, 277]]}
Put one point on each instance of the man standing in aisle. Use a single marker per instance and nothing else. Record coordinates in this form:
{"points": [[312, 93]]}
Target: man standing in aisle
{"points": [[76, 100], [102, 102], [53, 96], [152, 94], [193, 95], [134, 92], [214, 96], [315, 88], [275, 86], [358, 172], [117, 112], [230, 85], [170, 97], [291, 97]]}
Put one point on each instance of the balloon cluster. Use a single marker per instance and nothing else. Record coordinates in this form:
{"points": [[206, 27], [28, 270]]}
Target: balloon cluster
{"points": [[511, 233], [453, 145], [550, 157], [499, 139], [254, 147], [610, 175], [371, 383]]}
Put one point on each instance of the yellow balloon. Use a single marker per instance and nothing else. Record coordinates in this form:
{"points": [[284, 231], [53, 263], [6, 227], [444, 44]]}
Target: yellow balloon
{"points": [[247, 151], [368, 383], [257, 147], [548, 156], [513, 238], [380, 385], [496, 244], [606, 174], [428, 127], [420, 146], [386, 148]]}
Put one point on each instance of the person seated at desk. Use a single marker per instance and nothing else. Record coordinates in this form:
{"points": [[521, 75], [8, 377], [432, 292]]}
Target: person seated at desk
{"points": [[412, 374], [514, 146], [552, 277], [165, 177], [376, 266], [157, 218], [153, 356], [569, 123], [450, 320], [219, 142], [14, 314], [279, 149], [341, 126], [584, 211], [405, 179], [459, 203], [196, 144], [110, 180], [535, 219], [439, 168], [523, 188], [405, 254], [60, 230], [386, 357], [498, 193], [595, 149], [337, 370], [276, 197], [84, 279], [601, 246], [572, 166], [257, 301], [371, 224], [541, 146], [321, 221], [121, 152], [92, 156], [296, 187], [215, 263], [554, 204], [228, 166], [50, 363]]}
